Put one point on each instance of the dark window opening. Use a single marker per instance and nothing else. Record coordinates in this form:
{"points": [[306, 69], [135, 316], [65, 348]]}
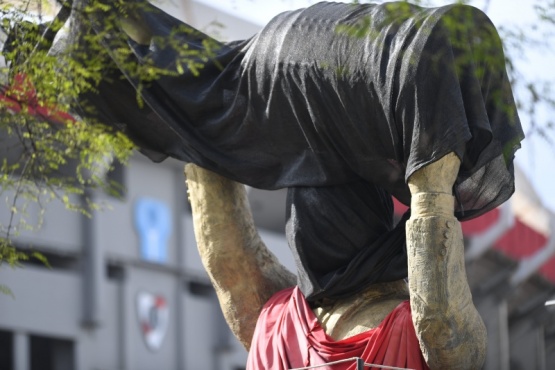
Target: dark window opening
{"points": [[116, 180], [6, 350], [200, 289], [53, 260], [51, 354], [115, 272]]}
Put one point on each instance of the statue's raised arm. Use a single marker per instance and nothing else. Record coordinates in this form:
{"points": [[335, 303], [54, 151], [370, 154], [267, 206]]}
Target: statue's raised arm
{"points": [[245, 274], [450, 330]]}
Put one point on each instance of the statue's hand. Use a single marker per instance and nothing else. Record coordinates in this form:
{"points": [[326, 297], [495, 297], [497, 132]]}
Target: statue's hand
{"points": [[436, 177], [431, 188]]}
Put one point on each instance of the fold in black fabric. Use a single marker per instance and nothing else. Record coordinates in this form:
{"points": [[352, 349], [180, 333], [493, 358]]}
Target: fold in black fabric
{"points": [[343, 239], [303, 104]]}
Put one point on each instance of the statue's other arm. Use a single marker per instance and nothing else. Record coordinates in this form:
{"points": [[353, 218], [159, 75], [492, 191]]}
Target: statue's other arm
{"points": [[245, 274], [451, 333]]}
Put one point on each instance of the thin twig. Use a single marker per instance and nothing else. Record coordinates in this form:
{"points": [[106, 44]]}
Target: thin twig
{"points": [[16, 196]]}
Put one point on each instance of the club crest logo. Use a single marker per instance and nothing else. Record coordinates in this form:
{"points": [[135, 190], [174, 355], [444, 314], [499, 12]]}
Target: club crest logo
{"points": [[153, 315]]}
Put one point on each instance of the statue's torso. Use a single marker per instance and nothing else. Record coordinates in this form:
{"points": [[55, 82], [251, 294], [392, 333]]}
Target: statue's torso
{"points": [[347, 317]]}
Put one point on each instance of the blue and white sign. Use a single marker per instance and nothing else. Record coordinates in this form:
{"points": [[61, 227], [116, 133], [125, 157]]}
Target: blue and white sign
{"points": [[153, 224]]}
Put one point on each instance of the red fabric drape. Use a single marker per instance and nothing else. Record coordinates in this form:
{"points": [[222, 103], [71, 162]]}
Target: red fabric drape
{"points": [[288, 335], [21, 96]]}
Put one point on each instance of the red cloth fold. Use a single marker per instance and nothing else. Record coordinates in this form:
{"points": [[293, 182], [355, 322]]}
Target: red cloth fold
{"points": [[288, 335], [21, 96]]}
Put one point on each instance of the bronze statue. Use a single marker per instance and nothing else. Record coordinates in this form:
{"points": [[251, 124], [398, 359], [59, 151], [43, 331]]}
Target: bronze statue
{"points": [[345, 105], [245, 274], [416, 105]]}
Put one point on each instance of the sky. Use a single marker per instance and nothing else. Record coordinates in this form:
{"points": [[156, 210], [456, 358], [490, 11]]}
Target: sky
{"points": [[537, 156]]}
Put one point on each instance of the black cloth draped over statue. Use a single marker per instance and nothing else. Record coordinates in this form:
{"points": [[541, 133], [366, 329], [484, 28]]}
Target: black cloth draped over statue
{"points": [[341, 120]]}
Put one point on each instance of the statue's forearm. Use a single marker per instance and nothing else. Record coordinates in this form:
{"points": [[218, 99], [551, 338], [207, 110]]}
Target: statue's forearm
{"points": [[245, 274], [450, 330]]}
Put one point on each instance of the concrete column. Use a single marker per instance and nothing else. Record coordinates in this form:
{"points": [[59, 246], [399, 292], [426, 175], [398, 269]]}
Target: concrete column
{"points": [[527, 345], [178, 212], [93, 269], [495, 314], [123, 327], [22, 351]]}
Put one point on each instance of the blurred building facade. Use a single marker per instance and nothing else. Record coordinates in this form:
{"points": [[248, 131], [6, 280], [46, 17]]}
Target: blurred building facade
{"points": [[126, 289]]}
